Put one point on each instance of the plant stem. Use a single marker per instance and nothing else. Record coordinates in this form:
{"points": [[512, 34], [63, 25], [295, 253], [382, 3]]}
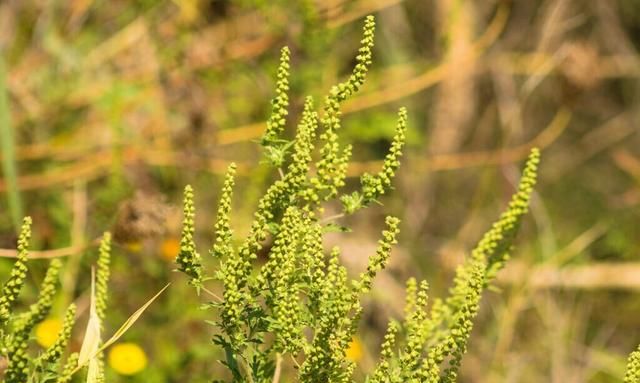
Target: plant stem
{"points": [[332, 217], [295, 362], [216, 296], [245, 365], [7, 148], [276, 374]]}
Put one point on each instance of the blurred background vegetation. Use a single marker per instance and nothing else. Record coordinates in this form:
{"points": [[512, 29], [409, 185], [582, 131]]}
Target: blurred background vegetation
{"points": [[108, 108]]}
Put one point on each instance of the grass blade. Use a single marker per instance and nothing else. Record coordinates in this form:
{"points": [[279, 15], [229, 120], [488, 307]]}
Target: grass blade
{"points": [[7, 149], [91, 341], [122, 330]]}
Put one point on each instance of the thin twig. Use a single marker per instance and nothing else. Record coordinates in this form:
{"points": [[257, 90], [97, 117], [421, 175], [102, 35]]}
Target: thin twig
{"points": [[98, 164], [332, 217], [361, 9], [216, 296], [595, 276], [297, 364], [53, 253]]}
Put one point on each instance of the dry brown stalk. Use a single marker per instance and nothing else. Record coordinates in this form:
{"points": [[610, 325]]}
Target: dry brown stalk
{"points": [[98, 164], [53, 253], [622, 275]]}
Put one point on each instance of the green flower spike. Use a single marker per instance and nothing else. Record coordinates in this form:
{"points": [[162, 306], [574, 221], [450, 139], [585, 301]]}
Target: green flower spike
{"points": [[102, 275], [12, 287], [332, 167], [380, 259], [416, 316], [494, 247], [281, 280], [280, 104], [39, 310], [325, 357], [296, 177], [383, 369], [55, 351], [314, 266], [457, 312], [375, 186], [17, 369], [69, 368], [223, 246], [188, 259]]}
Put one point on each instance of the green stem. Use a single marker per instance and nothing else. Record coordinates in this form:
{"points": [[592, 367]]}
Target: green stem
{"points": [[7, 148], [278, 371]]}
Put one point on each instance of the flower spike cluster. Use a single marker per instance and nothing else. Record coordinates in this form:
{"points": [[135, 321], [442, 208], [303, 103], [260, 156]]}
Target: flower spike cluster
{"points": [[279, 277], [16, 328], [383, 369], [18, 368], [332, 166], [325, 356], [313, 260], [493, 249], [416, 316], [301, 301], [39, 310], [451, 321]]}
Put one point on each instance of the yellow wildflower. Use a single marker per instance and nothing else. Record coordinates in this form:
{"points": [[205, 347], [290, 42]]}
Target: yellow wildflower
{"points": [[354, 352], [169, 249], [127, 358], [47, 332]]}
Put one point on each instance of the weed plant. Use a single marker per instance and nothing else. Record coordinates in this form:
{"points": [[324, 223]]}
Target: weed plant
{"points": [[48, 365], [300, 308]]}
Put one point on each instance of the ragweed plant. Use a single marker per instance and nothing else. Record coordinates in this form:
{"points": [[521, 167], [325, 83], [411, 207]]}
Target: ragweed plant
{"points": [[19, 365], [16, 328], [300, 307]]}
